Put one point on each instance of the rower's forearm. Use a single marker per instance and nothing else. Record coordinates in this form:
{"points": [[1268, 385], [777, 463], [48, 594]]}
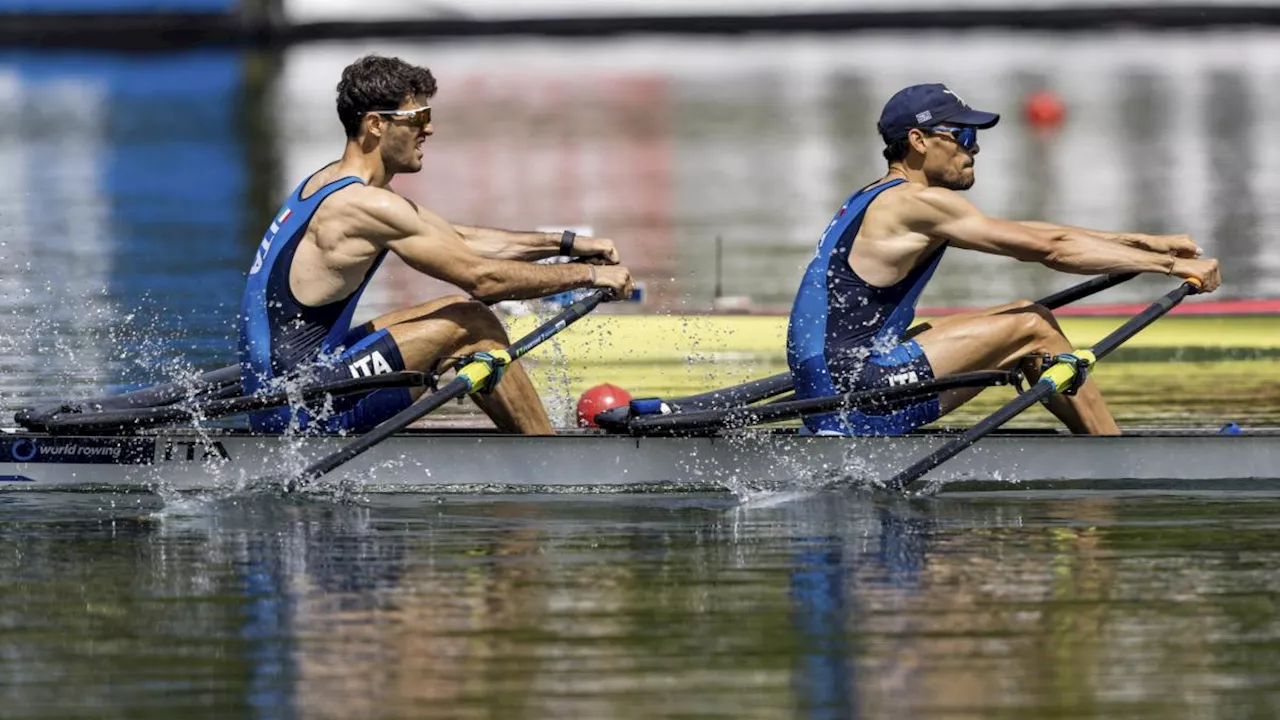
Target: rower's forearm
{"points": [[1130, 239], [509, 280], [509, 244], [1085, 254]]}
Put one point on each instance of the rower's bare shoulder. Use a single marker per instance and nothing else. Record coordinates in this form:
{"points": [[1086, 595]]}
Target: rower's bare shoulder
{"points": [[375, 212], [930, 205]]}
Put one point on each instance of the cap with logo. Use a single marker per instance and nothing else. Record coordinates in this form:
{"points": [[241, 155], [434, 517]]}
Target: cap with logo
{"points": [[925, 106]]}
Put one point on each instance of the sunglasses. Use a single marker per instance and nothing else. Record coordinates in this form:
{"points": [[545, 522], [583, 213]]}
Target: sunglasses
{"points": [[419, 117], [966, 137]]}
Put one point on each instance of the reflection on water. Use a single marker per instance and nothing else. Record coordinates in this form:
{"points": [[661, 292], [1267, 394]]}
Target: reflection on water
{"points": [[822, 606], [137, 185]]}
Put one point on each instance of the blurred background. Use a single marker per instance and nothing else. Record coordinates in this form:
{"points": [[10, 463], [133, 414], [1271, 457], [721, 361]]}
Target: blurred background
{"points": [[146, 143]]}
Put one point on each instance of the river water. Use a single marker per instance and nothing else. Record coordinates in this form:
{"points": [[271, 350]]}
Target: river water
{"points": [[826, 606], [136, 187]]}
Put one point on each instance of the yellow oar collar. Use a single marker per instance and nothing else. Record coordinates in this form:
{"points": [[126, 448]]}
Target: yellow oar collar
{"points": [[1069, 371]]}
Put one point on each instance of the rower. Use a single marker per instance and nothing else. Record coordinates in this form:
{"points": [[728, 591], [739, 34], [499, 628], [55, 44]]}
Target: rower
{"points": [[324, 245], [849, 325]]}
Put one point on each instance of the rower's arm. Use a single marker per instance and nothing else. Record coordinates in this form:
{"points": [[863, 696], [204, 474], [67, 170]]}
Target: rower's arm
{"points": [[527, 246], [945, 214], [509, 244], [1179, 245], [432, 246]]}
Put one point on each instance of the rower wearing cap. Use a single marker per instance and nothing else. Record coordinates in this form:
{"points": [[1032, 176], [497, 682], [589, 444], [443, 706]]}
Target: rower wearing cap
{"points": [[327, 241], [849, 324]]}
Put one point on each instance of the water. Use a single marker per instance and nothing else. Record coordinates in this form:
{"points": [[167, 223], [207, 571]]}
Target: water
{"points": [[136, 187], [827, 606]]}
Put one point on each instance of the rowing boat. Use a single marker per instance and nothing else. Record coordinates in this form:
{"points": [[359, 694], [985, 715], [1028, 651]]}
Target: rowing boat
{"points": [[721, 440], [592, 461]]}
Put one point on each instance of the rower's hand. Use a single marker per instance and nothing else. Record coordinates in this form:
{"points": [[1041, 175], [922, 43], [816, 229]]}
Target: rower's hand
{"points": [[598, 251], [1203, 269], [1180, 246], [616, 278]]}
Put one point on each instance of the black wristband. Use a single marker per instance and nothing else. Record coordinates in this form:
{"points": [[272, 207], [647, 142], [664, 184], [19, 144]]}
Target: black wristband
{"points": [[566, 243]]}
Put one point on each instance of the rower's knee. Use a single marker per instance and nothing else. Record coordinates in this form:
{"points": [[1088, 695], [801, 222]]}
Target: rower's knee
{"points": [[1031, 306], [441, 303], [1036, 321], [477, 321], [1036, 327]]}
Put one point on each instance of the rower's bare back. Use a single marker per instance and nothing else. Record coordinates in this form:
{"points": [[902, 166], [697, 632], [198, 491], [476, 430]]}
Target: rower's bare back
{"points": [[886, 249]]}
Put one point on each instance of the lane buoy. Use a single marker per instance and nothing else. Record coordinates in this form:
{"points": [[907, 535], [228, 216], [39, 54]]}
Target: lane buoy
{"points": [[1044, 109]]}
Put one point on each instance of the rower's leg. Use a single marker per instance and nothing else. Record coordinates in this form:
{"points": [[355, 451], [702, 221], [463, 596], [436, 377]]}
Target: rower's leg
{"points": [[945, 320], [415, 312], [458, 326], [1003, 339]]}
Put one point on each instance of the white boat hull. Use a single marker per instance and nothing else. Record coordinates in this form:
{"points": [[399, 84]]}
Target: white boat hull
{"points": [[477, 461]]}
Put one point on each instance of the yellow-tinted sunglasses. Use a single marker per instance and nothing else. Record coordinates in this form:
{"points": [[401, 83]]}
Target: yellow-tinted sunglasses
{"points": [[419, 117]]}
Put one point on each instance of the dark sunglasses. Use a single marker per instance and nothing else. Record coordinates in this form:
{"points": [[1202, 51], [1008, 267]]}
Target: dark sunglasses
{"points": [[966, 137], [419, 117]]}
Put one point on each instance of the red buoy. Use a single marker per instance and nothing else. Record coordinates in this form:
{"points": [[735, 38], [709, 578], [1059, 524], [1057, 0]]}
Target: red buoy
{"points": [[598, 399], [1044, 109]]}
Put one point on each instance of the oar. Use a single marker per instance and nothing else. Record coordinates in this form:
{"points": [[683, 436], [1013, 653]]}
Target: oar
{"points": [[736, 417], [1059, 377], [220, 383], [1084, 289], [744, 394], [117, 420], [470, 377]]}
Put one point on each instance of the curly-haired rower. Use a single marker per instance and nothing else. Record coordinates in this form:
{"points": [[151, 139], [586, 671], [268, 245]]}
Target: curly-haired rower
{"points": [[327, 240]]}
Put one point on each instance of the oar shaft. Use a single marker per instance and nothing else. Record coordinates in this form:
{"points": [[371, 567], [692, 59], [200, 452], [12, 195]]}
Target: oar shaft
{"points": [[468, 378], [220, 383], [455, 389], [744, 394], [695, 421], [1153, 312], [1042, 389], [567, 317], [110, 420], [1084, 290], [916, 470]]}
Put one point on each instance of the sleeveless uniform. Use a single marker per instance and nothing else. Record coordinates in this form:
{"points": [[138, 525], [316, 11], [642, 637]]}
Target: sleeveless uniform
{"points": [[281, 337], [845, 335]]}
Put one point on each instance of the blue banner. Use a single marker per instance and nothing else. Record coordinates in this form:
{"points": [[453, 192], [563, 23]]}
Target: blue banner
{"points": [[131, 195]]}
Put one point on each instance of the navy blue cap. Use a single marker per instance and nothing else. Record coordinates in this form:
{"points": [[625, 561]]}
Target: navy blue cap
{"points": [[927, 105]]}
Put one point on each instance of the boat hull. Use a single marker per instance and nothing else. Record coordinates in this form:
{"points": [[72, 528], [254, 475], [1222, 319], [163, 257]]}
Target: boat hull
{"points": [[487, 462]]}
